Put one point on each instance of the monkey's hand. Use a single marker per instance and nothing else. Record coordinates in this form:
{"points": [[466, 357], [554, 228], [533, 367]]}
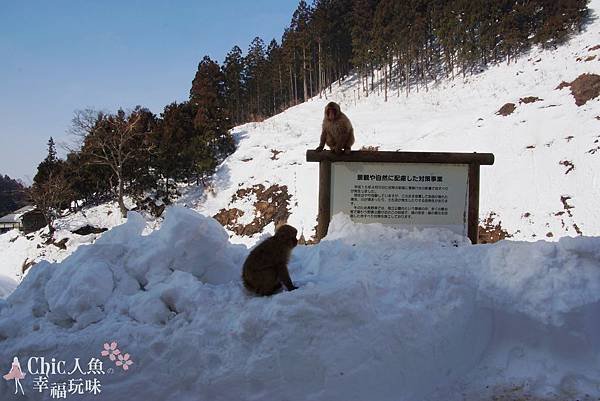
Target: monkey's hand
{"points": [[320, 148], [292, 288]]}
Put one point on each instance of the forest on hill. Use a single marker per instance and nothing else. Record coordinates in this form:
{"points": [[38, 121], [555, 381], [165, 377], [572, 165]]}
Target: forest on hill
{"points": [[13, 195], [389, 46]]}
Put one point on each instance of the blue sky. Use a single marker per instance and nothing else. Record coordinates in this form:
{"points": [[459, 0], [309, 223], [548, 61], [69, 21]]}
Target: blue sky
{"points": [[59, 56]]}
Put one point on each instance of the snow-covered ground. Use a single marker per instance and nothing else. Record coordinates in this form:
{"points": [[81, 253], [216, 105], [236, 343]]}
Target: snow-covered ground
{"points": [[380, 315], [18, 250]]}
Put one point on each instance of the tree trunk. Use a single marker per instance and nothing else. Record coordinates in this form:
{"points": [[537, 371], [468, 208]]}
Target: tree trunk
{"points": [[320, 82], [386, 82], [291, 87], [304, 74], [407, 76], [280, 87], [120, 191]]}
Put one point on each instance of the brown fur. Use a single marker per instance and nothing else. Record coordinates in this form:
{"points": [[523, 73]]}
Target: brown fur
{"points": [[337, 131], [265, 268]]}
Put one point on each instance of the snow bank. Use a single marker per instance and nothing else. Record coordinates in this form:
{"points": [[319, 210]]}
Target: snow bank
{"points": [[380, 315], [7, 285]]}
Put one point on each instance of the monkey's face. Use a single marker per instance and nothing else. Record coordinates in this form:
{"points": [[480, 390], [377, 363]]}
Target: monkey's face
{"points": [[331, 111], [288, 234]]}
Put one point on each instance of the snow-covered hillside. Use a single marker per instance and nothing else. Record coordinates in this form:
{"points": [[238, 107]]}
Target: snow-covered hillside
{"points": [[18, 252], [543, 185]]}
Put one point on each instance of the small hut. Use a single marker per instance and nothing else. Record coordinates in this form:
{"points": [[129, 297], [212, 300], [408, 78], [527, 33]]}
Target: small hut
{"points": [[26, 219]]}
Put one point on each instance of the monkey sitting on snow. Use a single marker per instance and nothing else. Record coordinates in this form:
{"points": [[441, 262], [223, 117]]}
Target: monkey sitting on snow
{"points": [[337, 131], [265, 268]]}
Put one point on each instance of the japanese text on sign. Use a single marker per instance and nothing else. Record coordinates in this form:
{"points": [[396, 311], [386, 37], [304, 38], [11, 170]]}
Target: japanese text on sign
{"points": [[402, 193]]}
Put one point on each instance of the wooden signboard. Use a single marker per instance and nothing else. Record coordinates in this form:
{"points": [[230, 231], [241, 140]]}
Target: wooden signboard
{"points": [[418, 189]]}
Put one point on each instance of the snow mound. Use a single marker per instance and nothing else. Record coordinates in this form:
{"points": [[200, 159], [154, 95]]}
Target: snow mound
{"points": [[380, 314], [7, 285]]}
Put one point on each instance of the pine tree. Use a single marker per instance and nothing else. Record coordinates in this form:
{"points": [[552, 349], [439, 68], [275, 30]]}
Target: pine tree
{"points": [[300, 27], [212, 123], [49, 165], [362, 29], [254, 75], [233, 68]]}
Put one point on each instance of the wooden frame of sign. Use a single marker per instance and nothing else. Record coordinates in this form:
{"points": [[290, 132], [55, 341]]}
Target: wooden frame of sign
{"points": [[326, 158]]}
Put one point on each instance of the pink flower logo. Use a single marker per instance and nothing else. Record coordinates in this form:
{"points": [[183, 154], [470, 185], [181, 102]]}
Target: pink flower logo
{"points": [[111, 350], [121, 359], [124, 361]]}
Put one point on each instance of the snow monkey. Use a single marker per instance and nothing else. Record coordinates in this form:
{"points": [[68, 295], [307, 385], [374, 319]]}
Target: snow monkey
{"points": [[265, 268], [337, 131]]}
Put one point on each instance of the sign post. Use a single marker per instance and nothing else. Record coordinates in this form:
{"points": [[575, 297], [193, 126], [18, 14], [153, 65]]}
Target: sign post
{"points": [[419, 189]]}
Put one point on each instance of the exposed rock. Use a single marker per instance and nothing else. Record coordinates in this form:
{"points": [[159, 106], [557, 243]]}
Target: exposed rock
{"points": [[585, 88], [491, 232], [62, 244], [88, 229], [530, 99], [564, 199], [271, 206], [507, 109], [569, 165], [275, 153], [228, 217]]}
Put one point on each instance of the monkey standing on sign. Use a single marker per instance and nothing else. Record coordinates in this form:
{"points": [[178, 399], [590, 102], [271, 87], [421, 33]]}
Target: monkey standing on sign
{"points": [[265, 268], [337, 131]]}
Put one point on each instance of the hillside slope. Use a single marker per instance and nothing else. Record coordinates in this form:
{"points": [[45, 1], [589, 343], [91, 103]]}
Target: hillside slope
{"points": [[544, 183]]}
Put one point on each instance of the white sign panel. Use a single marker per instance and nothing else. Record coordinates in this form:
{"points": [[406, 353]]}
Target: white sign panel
{"points": [[400, 194]]}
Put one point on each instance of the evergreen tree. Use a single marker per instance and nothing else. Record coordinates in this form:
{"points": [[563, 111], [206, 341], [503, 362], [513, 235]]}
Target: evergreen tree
{"points": [[362, 29], [212, 140], [13, 195], [254, 74], [48, 165], [233, 68]]}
